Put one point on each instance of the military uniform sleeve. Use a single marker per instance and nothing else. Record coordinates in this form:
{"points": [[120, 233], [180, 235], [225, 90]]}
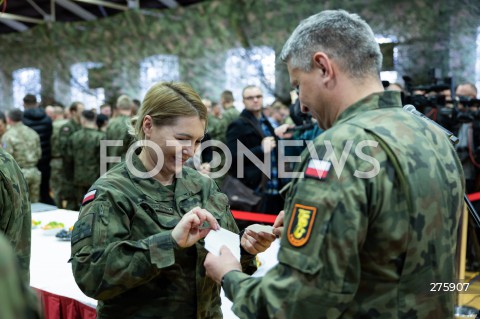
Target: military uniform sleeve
{"points": [[7, 145], [105, 261], [326, 223]]}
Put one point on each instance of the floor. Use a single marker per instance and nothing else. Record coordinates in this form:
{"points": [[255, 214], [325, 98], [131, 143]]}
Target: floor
{"points": [[472, 297]]}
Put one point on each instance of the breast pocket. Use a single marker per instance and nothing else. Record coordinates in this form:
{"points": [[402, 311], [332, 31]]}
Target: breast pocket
{"points": [[163, 216]]}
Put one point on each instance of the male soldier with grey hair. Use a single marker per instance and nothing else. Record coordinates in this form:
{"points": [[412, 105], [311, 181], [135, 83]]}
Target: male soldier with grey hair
{"points": [[23, 143], [366, 240]]}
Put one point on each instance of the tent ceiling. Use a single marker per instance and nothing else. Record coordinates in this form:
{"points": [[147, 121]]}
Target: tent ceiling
{"points": [[21, 15]]}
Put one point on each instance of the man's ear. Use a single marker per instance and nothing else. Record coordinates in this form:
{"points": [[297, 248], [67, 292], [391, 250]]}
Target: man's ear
{"points": [[147, 126], [323, 63]]}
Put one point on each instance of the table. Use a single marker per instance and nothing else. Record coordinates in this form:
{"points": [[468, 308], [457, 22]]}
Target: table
{"points": [[51, 274]]}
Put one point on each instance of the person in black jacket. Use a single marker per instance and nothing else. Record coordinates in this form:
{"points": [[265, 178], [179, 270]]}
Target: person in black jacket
{"points": [[254, 131], [36, 118]]}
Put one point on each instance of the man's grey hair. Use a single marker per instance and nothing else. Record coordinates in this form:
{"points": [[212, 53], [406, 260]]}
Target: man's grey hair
{"points": [[344, 37]]}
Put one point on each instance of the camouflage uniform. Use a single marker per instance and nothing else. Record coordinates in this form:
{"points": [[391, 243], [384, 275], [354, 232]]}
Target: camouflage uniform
{"points": [[15, 212], [228, 116], [117, 129], [123, 253], [57, 179], [85, 144], [220, 129], [18, 301], [64, 139], [366, 247], [23, 143]]}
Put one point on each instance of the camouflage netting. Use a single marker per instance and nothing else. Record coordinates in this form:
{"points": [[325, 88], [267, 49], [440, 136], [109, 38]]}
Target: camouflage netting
{"points": [[430, 33]]}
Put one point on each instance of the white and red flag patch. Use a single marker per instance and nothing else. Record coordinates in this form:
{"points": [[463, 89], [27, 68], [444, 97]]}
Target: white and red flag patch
{"points": [[318, 168], [89, 196]]}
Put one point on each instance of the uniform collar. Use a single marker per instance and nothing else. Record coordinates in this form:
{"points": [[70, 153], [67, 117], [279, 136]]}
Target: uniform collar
{"points": [[379, 100]]}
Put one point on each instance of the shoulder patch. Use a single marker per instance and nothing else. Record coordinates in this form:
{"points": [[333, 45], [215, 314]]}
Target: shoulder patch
{"points": [[66, 129], [89, 197], [301, 224], [318, 169]]}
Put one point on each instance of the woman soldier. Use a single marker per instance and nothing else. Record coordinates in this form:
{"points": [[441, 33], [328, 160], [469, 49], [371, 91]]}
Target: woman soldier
{"points": [[138, 245]]}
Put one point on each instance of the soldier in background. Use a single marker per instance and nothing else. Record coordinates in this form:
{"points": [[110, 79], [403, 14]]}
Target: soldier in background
{"points": [[73, 125], [117, 129], [85, 148], [23, 143], [36, 118], [106, 109], [370, 241], [229, 114], [57, 179]]}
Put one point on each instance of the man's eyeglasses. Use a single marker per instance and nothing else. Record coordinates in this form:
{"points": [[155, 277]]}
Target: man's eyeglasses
{"points": [[251, 98]]}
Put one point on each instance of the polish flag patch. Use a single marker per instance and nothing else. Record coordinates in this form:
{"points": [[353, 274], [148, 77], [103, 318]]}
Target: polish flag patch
{"points": [[89, 196], [318, 169]]}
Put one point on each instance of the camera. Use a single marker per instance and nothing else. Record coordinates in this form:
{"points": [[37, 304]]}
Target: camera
{"points": [[302, 121]]}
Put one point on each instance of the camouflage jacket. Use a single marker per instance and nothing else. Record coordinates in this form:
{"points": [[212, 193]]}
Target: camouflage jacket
{"points": [[23, 143], [15, 212], [85, 148], [117, 129], [228, 116], [55, 138], [64, 140], [123, 253], [18, 301], [368, 240]]}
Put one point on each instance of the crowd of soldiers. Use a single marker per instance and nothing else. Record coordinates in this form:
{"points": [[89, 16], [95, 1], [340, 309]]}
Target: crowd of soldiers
{"points": [[70, 141]]}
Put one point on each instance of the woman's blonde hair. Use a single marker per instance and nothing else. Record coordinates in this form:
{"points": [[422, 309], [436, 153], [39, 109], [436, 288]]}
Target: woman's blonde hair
{"points": [[165, 102]]}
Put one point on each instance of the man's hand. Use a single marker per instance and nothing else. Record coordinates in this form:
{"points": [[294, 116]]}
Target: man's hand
{"points": [[188, 231], [281, 131], [268, 144], [255, 243], [217, 266], [278, 224]]}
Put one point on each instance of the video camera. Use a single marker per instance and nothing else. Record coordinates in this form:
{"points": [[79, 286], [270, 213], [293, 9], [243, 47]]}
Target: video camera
{"points": [[469, 112], [432, 100], [302, 121]]}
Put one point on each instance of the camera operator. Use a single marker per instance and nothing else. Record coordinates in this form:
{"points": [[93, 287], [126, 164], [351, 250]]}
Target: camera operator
{"points": [[465, 119], [304, 128]]}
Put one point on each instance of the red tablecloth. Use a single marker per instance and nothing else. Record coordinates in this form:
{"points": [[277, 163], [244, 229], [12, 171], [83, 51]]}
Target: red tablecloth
{"points": [[59, 307]]}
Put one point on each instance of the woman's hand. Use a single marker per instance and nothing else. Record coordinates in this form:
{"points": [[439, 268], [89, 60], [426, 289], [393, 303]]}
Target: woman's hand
{"points": [[255, 243], [189, 230]]}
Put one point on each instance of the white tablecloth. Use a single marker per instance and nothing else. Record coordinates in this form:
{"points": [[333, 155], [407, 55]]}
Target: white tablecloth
{"points": [[51, 272], [49, 267]]}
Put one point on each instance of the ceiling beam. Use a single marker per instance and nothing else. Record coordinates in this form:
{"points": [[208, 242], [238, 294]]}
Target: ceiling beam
{"points": [[37, 8], [9, 16], [169, 3], [105, 4], [18, 26], [76, 9]]}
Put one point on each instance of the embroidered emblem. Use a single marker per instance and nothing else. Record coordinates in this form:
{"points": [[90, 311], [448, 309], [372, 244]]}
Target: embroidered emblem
{"points": [[301, 224]]}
